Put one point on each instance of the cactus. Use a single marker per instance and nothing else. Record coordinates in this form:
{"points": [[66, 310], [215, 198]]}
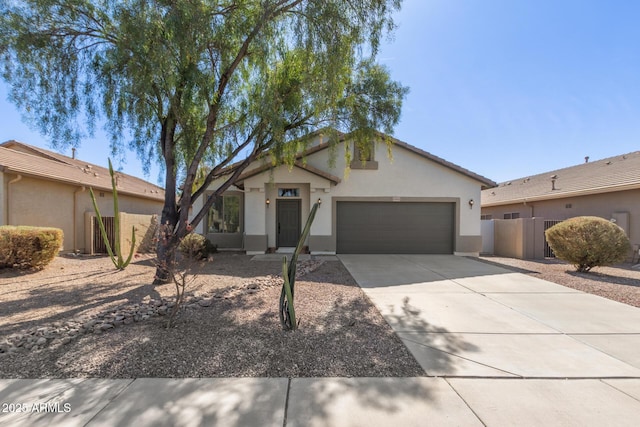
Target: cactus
{"points": [[287, 310], [117, 259]]}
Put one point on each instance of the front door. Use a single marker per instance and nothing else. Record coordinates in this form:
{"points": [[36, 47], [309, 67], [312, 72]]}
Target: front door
{"points": [[287, 222]]}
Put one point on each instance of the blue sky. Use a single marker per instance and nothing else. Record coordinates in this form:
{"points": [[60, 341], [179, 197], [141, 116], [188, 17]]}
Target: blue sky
{"points": [[505, 88]]}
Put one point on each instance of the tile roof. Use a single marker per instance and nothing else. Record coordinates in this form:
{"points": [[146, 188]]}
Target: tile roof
{"points": [[603, 176], [19, 158], [329, 177]]}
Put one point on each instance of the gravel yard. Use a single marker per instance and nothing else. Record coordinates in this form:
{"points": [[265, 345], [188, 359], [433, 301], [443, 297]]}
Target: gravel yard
{"points": [[619, 283], [229, 329], [82, 318]]}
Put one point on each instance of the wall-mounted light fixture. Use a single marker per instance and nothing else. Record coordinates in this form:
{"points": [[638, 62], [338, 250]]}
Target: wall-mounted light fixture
{"points": [[471, 203], [319, 201], [268, 202]]}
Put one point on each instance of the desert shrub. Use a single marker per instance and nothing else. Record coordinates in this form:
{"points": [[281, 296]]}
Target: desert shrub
{"points": [[28, 247], [196, 246], [209, 247], [588, 242]]}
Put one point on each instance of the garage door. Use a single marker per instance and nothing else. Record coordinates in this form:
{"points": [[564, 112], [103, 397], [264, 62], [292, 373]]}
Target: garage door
{"points": [[395, 227]]}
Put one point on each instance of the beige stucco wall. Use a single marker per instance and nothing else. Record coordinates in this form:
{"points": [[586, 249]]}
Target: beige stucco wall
{"points": [[44, 204], [602, 205], [146, 228], [37, 202], [404, 177], [3, 200], [521, 238]]}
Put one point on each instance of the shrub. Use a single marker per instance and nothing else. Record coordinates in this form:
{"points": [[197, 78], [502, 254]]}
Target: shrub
{"points": [[196, 246], [588, 242], [28, 247]]}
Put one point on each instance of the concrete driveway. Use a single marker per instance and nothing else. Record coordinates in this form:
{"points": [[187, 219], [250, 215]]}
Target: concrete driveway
{"points": [[518, 350], [464, 318]]}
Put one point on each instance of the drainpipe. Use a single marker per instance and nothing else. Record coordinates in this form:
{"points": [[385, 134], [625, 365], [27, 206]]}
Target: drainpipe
{"points": [[75, 210], [530, 206], [13, 181]]}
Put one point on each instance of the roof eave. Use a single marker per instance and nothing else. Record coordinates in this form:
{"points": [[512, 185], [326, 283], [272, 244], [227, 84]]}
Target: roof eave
{"points": [[64, 180], [564, 195]]}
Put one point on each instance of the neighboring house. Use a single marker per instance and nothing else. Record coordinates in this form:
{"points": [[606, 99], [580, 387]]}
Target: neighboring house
{"points": [[41, 188], [411, 202], [608, 188]]}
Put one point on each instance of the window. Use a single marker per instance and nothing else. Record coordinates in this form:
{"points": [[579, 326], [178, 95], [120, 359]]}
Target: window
{"points": [[512, 215], [363, 155], [486, 216], [224, 215], [288, 192], [364, 158]]}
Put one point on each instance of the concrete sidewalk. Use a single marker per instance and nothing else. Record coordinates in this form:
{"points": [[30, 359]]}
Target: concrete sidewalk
{"points": [[369, 402]]}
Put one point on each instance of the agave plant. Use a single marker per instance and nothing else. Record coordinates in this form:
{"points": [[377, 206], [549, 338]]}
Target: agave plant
{"points": [[117, 258], [287, 309]]}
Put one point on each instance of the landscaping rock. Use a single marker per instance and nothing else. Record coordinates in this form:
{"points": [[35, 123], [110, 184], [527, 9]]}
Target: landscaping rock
{"points": [[205, 303], [36, 338]]}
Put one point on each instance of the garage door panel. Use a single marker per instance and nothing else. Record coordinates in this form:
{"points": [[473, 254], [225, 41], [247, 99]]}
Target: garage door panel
{"points": [[394, 227]]}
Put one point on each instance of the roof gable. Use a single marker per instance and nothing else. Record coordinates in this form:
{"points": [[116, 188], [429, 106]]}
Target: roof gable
{"points": [[485, 182], [299, 164], [602, 176]]}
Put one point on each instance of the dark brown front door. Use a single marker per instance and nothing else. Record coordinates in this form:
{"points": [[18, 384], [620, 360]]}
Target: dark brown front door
{"points": [[287, 222]]}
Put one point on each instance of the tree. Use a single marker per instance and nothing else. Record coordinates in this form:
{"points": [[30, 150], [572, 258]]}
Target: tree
{"points": [[194, 82]]}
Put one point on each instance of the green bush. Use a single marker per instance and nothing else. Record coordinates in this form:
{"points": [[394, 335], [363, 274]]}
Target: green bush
{"points": [[196, 246], [28, 247], [588, 241]]}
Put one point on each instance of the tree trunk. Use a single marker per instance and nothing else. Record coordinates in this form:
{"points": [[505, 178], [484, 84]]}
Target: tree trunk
{"points": [[167, 241]]}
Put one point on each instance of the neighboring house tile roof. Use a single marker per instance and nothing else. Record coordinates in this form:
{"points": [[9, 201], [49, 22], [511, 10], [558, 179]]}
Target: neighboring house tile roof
{"points": [[19, 158], [603, 176]]}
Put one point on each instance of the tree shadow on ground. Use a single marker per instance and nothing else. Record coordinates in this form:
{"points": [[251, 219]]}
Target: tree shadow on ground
{"points": [[508, 267], [439, 343], [70, 303], [239, 336]]}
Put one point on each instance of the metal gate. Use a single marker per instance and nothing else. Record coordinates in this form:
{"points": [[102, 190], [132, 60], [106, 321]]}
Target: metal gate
{"points": [[548, 223], [98, 242]]}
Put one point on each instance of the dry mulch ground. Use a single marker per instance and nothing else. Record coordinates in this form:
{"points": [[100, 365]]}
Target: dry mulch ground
{"points": [[619, 283], [340, 334]]}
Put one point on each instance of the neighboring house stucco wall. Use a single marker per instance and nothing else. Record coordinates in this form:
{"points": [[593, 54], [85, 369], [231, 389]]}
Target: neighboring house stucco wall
{"points": [[604, 205], [3, 200], [38, 202]]}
